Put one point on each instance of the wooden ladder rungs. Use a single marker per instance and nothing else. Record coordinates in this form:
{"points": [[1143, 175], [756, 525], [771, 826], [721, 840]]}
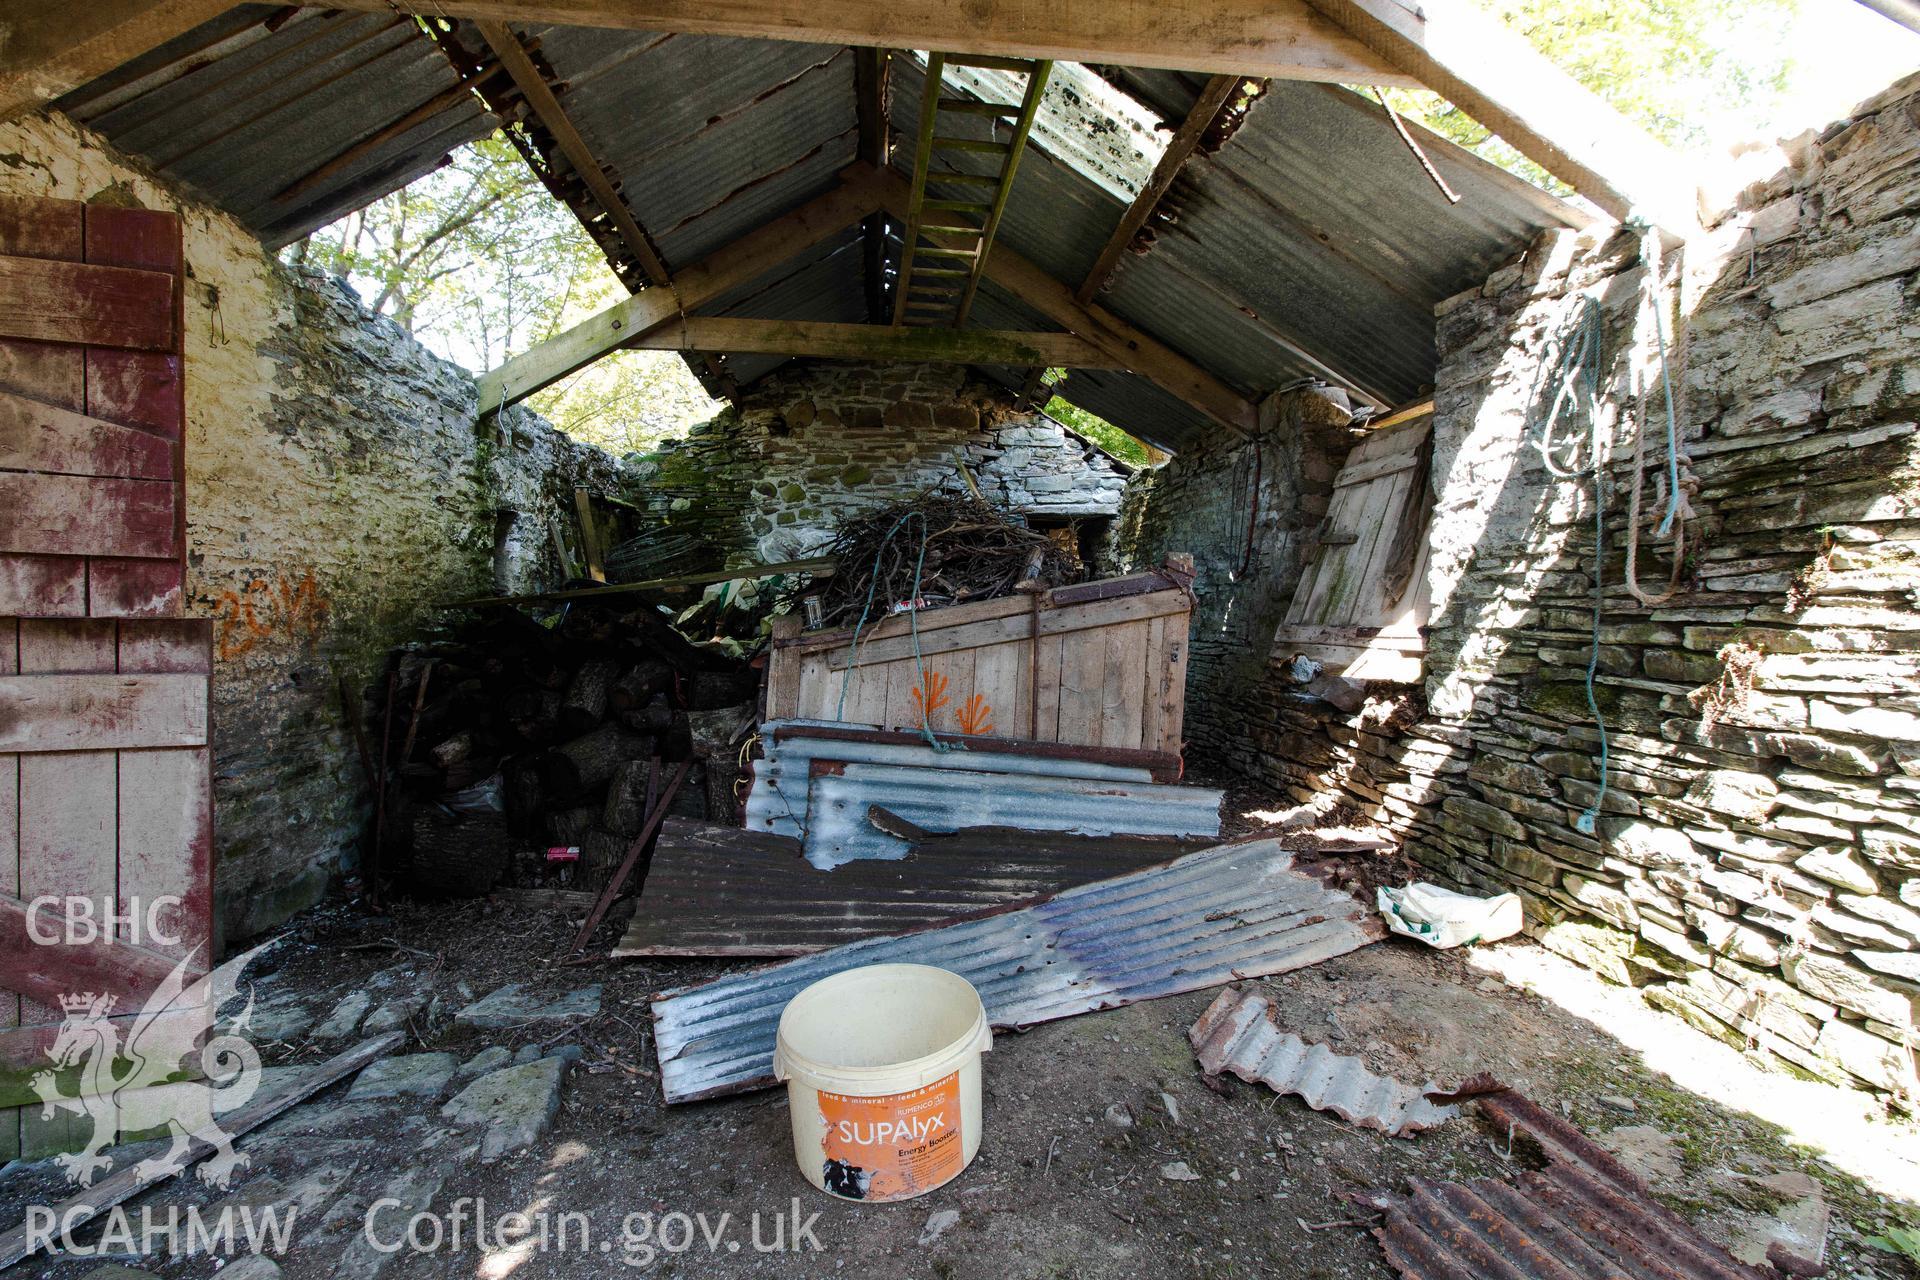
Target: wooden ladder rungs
{"points": [[974, 179], [935, 251], [942, 143], [972, 108], [957, 206]]}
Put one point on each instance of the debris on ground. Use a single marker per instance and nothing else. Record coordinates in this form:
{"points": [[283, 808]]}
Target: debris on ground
{"points": [[1238, 1034], [1442, 918], [1234, 911], [1584, 1216]]}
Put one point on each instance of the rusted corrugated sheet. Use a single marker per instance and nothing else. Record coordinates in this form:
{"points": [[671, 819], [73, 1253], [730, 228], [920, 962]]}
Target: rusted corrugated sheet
{"points": [[1230, 912], [1238, 1034], [722, 891], [1583, 1217]]}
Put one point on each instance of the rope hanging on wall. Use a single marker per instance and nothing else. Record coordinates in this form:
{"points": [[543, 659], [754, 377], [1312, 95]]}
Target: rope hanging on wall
{"points": [[1572, 376], [1673, 521]]}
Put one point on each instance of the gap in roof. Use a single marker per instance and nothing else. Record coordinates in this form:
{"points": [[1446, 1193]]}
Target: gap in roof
{"points": [[1084, 121]]}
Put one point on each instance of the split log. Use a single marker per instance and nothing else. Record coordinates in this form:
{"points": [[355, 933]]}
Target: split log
{"points": [[636, 687], [534, 714], [525, 795], [600, 854], [455, 750], [573, 769], [571, 826], [586, 701], [626, 808], [655, 716], [462, 857]]}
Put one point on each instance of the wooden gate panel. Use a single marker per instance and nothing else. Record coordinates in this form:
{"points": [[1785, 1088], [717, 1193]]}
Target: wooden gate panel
{"points": [[1109, 659], [1345, 613]]}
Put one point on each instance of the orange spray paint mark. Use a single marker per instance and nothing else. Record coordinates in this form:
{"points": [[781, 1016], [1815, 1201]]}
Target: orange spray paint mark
{"points": [[975, 716]]}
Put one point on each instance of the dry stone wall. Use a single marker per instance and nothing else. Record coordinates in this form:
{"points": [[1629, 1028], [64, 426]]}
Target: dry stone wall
{"points": [[1245, 510], [815, 442], [338, 488], [1756, 860]]}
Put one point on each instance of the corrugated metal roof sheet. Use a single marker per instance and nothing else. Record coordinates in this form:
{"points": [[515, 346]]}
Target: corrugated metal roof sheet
{"points": [[1236, 911], [1584, 1217], [722, 891], [246, 106], [692, 123], [1313, 227], [1237, 1034]]}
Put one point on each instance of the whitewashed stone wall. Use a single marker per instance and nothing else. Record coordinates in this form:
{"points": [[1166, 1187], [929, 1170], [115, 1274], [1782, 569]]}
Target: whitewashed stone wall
{"points": [[337, 489], [816, 442]]}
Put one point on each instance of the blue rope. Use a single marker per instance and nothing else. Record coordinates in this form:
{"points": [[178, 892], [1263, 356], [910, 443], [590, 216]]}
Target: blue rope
{"points": [[913, 627], [1577, 371]]}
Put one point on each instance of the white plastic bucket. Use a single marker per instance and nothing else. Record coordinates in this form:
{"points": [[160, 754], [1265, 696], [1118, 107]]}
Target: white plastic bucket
{"points": [[882, 1066]]}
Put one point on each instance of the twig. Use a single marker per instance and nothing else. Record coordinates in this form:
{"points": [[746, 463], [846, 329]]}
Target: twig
{"points": [[1337, 1222], [1048, 1167], [391, 946]]}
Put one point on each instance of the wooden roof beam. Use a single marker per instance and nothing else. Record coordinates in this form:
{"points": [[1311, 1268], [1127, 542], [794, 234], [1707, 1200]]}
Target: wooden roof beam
{"points": [[824, 341], [740, 262], [1493, 74], [50, 47], [1212, 100], [1279, 39]]}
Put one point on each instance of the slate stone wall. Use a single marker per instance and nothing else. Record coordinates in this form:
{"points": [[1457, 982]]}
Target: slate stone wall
{"points": [[1245, 510], [1755, 865], [815, 442], [338, 488]]}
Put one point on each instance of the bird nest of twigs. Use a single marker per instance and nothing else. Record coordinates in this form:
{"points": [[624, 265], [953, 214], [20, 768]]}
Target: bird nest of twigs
{"points": [[973, 551]]}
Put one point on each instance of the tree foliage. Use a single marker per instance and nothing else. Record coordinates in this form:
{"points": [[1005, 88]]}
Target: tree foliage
{"points": [[1661, 63], [479, 262]]}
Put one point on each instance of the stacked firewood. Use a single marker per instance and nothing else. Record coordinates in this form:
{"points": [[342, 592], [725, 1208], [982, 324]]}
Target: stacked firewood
{"points": [[529, 755]]}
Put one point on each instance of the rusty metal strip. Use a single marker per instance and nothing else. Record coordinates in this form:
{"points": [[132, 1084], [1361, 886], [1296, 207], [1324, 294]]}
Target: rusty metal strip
{"points": [[1238, 1034], [1584, 1217], [1231, 912]]}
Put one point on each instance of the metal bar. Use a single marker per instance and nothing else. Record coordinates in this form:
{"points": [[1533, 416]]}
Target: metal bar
{"points": [[922, 152], [615, 882]]}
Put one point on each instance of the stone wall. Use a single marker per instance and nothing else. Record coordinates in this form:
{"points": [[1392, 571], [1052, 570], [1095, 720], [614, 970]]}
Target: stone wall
{"points": [[1755, 864], [337, 489], [1244, 509], [814, 442]]}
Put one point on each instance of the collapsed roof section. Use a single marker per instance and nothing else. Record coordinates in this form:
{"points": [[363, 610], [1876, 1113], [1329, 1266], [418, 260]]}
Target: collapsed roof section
{"points": [[1300, 239]]}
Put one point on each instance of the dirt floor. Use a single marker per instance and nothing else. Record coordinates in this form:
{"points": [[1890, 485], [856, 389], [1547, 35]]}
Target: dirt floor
{"points": [[1105, 1153]]}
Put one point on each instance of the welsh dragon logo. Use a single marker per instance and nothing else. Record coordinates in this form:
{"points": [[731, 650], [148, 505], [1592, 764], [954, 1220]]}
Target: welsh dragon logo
{"points": [[125, 1085]]}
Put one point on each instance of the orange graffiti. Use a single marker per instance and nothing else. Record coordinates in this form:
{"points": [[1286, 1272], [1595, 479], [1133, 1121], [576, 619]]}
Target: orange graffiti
{"points": [[975, 716], [935, 697], [290, 607]]}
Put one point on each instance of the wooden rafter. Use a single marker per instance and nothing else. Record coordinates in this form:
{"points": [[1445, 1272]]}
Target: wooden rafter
{"points": [[871, 85], [53, 46], [1493, 74], [752, 255], [1212, 100], [546, 107], [923, 345]]}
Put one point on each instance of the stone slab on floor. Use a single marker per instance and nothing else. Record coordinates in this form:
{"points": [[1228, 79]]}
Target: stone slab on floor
{"points": [[516, 1105], [413, 1075], [513, 1007]]}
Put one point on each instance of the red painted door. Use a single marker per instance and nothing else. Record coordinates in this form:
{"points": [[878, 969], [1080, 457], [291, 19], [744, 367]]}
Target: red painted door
{"points": [[105, 809]]}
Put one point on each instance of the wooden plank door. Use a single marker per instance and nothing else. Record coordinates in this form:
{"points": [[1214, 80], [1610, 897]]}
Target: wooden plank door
{"points": [[1362, 602], [106, 820]]}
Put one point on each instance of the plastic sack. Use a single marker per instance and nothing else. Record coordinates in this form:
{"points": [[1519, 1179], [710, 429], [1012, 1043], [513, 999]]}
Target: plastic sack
{"points": [[1442, 918]]}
